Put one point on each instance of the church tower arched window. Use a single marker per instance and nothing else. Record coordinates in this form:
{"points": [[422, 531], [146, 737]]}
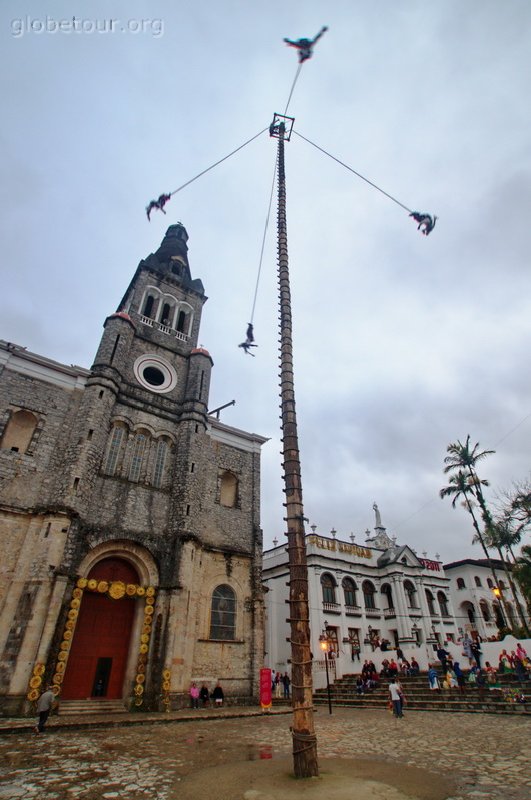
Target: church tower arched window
{"points": [[115, 447], [223, 614], [160, 462], [137, 456], [228, 489], [149, 306], [166, 317]]}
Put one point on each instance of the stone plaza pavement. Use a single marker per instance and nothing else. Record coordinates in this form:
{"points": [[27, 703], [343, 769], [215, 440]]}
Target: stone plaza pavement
{"points": [[487, 756]]}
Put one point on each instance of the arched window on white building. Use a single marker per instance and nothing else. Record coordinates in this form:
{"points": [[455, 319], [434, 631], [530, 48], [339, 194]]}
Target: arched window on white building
{"points": [[411, 594], [485, 611], [388, 594], [443, 604], [368, 594], [431, 603], [328, 585], [349, 592]]}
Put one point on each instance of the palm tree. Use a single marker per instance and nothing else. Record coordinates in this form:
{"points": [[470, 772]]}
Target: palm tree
{"points": [[459, 487], [464, 457]]}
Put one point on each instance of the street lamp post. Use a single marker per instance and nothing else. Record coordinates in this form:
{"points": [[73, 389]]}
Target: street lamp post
{"points": [[325, 643]]}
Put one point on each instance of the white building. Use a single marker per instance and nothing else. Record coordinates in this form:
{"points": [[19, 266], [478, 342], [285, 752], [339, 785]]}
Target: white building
{"points": [[358, 596], [475, 605]]}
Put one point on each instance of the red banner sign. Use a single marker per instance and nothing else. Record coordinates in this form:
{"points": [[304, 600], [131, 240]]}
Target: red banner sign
{"points": [[434, 566], [265, 688]]}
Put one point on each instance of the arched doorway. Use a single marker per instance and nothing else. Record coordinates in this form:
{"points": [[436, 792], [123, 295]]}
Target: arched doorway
{"points": [[100, 647]]}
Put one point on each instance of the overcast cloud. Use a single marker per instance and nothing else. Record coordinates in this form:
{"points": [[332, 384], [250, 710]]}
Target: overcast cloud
{"points": [[403, 343]]}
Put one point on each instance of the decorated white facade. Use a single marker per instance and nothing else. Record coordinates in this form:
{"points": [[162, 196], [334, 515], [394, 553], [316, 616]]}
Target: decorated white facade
{"points": [[360, 596]]}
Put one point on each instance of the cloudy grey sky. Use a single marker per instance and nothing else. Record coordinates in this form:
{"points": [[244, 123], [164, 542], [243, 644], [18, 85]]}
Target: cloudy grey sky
{"points": [[403, 343]]}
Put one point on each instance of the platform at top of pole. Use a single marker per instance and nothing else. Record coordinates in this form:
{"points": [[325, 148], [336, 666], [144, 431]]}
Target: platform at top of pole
{"points": [[281, 127]]}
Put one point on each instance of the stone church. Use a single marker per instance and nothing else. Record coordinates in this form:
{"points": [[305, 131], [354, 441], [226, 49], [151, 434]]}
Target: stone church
{"points": [[129, 516]]}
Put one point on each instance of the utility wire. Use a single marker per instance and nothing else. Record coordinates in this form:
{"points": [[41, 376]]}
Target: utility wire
{"points": [[293, 87], [219, 162], [264, 237], [390, 196]]}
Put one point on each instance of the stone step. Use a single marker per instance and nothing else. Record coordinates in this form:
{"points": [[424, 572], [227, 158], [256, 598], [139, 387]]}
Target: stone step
{"points": [[92, 706], [512, 709], [420, 698], [470, 695]]}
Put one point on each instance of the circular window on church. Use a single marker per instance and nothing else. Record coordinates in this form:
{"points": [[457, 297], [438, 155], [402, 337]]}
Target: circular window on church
{"points": [[154, 373]]}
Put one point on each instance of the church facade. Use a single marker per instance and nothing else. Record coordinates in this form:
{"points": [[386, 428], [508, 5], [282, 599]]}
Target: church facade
{"points": [[129, 516]]}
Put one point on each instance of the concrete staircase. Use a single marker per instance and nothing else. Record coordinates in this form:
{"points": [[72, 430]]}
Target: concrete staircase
{"points": [[81, 708], [419, 697]]}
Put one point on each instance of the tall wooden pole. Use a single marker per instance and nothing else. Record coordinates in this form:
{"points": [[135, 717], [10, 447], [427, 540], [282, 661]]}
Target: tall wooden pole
{"points": [[304, 738]]}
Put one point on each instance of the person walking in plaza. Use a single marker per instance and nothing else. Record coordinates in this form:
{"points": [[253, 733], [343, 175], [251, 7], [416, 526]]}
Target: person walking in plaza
{"points": [[286, 682], [44, 706], [194, 695], [396, 699], [278, 685]]}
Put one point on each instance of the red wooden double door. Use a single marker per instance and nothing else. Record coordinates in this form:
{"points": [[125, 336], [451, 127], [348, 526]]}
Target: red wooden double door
{"points": [[102, 638]]}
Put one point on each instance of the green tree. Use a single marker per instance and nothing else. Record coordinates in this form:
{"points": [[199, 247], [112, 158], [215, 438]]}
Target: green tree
{"points": [[459, 488], [514, 518], [464, 458]]}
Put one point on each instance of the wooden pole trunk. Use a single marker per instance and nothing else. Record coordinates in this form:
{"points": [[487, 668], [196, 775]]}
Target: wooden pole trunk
{"points": [[304, 738]]}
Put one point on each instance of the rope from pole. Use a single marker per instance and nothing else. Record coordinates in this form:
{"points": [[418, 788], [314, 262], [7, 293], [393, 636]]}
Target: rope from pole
{"points": [[358, 174]]}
